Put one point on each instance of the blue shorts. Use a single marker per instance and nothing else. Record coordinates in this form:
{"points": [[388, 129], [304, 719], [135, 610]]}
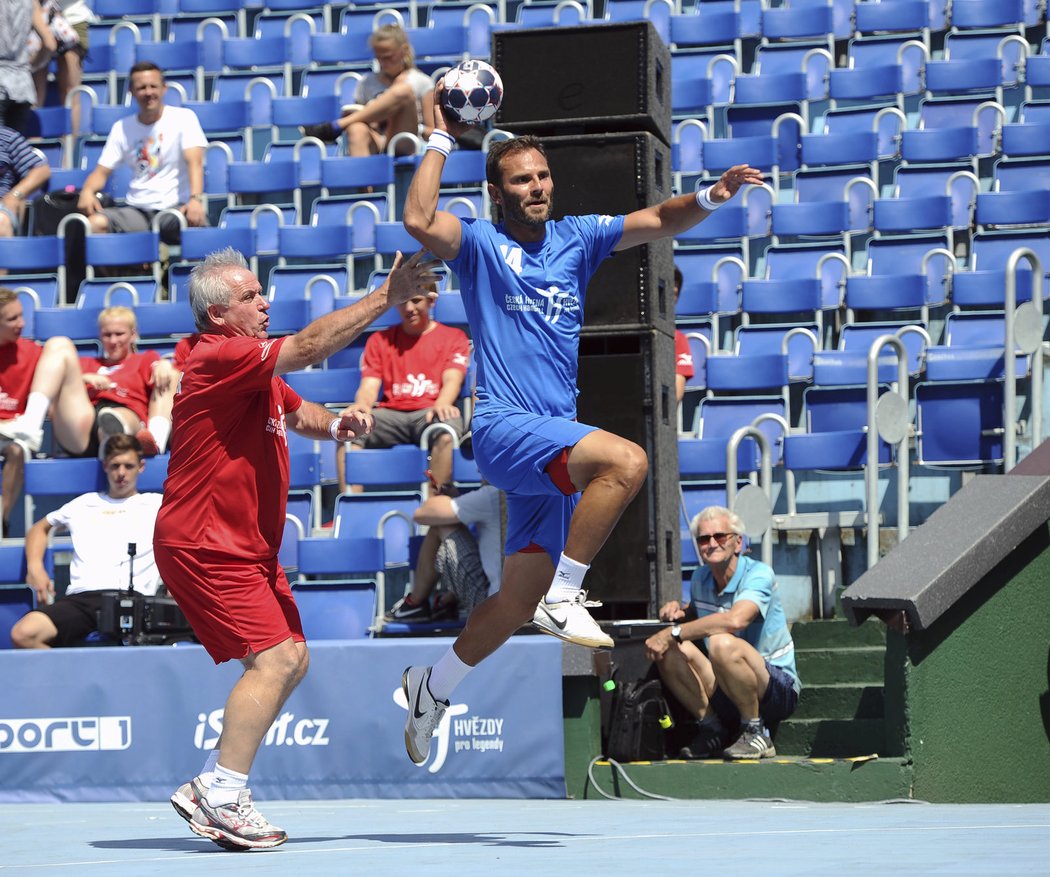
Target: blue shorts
{"points": [[512, 449], [777, 704]]}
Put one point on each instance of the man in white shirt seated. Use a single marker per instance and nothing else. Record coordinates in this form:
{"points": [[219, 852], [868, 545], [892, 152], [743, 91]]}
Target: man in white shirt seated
{"points": [[164, 147], [101, 526]]}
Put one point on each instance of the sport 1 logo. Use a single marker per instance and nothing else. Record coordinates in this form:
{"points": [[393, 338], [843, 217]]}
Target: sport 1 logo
{"points": [[66, 734]]}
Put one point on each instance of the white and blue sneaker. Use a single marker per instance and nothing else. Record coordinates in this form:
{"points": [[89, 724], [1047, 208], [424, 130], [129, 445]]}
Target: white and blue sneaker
{"points": [[569, 620], [424, 712]]}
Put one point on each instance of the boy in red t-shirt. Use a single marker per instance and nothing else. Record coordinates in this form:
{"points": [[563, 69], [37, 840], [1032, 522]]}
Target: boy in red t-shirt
{"points": [[18, 359], [419, 366]]}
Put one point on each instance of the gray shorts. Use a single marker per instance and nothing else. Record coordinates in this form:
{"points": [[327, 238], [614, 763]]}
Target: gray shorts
{"points": [[401, 428], [459, 570], [131, 219]]}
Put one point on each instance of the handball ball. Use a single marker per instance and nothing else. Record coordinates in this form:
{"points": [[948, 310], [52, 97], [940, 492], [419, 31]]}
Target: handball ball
{"points": [[473, 92]]}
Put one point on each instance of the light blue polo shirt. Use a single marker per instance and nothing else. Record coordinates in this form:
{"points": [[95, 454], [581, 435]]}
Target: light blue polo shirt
{"points": [[753, 581]]}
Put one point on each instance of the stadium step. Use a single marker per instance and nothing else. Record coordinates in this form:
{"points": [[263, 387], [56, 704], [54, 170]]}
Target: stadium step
{"points": [[780, 778], [841, 711]]}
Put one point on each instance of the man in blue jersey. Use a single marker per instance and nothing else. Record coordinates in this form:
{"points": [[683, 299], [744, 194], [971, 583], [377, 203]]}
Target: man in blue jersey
{"points": [[567, 484], [746, 675]]}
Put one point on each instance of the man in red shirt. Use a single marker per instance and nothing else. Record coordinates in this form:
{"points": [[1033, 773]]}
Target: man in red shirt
{"points": [[683, 356], [18, 359], [221, 522], [419, 366]]}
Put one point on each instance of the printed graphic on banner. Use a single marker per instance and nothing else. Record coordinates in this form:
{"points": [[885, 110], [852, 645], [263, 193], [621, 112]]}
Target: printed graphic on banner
{"points": [[69, 734], [471, 734], [285, 731]]}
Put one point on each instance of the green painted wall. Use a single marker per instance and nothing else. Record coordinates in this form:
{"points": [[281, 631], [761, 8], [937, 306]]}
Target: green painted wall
{"points": [[969, 699], [581, 709]]}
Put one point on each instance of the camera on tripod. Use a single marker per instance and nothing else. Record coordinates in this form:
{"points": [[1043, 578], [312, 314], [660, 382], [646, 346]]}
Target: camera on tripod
{"points": [[136, 619]]}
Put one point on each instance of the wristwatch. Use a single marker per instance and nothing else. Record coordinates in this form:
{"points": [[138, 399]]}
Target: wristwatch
{"points": [[676, 633]]}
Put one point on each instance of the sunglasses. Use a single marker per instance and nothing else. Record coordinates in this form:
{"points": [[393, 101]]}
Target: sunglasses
{"points": [[720, 538]]}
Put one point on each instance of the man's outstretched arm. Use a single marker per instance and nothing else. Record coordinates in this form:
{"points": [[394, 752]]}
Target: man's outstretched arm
{"points": [[678, 214]]}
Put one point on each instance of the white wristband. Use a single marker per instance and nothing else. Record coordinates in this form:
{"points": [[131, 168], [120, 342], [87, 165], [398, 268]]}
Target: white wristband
{"points": [[333, 428], [703, 199], [441, 141]]}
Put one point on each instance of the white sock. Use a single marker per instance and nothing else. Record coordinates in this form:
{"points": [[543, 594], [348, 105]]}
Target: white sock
{"points": [[36, 409], [226, 785], [207, 774], [446, 674], [160, 429], [568, 579]]}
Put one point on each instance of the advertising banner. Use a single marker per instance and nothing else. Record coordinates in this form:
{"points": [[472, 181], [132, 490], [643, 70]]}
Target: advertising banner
{"points": [[133, 723]]}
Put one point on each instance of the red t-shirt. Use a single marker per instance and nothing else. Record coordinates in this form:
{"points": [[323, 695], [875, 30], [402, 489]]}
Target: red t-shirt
{"points": [[410, 366], [182, 350], [227, 483], [17, 365], [132, 379], [683, 356]]}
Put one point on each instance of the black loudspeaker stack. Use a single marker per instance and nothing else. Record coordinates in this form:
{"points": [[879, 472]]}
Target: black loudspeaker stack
{"points": [[599, 97]]}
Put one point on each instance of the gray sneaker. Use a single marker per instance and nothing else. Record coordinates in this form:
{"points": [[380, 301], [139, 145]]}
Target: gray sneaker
{"points": [[751, 744], [236, 826], [187, 797], [569, 620], [424, 712]]}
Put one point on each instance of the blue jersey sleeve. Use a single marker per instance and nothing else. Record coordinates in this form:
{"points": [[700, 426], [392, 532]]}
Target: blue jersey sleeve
{"points": [[600, 235]]}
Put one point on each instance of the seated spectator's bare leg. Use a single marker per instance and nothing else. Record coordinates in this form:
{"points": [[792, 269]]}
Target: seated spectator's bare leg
{"points": [[159, 413], [688, 676], [6, 231], [524, 582], [256, 700], [12, 479], [425, 575], [441, 459], [610, 471], [362, 140], [34, 630], [58, 377], [99, 222], [740, 671]]}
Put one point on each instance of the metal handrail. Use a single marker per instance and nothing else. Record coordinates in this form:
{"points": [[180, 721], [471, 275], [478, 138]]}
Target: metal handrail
{"points": [[871, 466], [765, 478], [1010, 357]]}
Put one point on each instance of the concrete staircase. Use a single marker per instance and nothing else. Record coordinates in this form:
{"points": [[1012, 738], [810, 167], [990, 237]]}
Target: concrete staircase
{"points": [[834, 748], [841, 711]]}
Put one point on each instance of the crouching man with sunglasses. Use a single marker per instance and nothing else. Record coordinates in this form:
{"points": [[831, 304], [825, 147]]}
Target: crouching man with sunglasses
{"points": [[728, 657]]}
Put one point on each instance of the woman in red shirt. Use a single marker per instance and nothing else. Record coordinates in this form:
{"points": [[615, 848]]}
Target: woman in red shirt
{"points": [[132, 392]]}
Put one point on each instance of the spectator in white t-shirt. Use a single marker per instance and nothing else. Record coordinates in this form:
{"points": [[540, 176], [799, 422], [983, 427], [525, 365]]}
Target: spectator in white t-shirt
{"points": [[164, 147], [465, 565], [101, 525]]}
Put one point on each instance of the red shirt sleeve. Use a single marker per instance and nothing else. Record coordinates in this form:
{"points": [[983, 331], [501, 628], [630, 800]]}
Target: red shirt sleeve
{"points": [[683, 356]]}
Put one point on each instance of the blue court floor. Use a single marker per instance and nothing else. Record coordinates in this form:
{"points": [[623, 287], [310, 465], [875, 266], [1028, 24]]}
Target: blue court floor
{"points": [[515, 837]]}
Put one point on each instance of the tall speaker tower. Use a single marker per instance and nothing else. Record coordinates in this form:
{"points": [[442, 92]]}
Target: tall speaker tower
{"points": [[601, 101]]}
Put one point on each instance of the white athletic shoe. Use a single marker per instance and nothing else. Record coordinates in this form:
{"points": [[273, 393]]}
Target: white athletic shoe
{"points": [[237, 826], [19, 431], [424, 712], [187, 797], [569, 620]]}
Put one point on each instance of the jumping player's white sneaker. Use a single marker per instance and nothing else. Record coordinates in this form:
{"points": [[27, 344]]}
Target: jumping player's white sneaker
{"points": [[424, 712], [569, 620], [237, 826], [187, 797], [19, 431]]}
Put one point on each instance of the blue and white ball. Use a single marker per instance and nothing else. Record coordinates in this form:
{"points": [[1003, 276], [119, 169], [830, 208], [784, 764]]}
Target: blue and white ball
{"points": [[473, 92]]}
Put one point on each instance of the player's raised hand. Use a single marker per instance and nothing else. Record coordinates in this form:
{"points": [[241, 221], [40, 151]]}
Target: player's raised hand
{"points": [[732, 180], [411, 277], [442, 120]]}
